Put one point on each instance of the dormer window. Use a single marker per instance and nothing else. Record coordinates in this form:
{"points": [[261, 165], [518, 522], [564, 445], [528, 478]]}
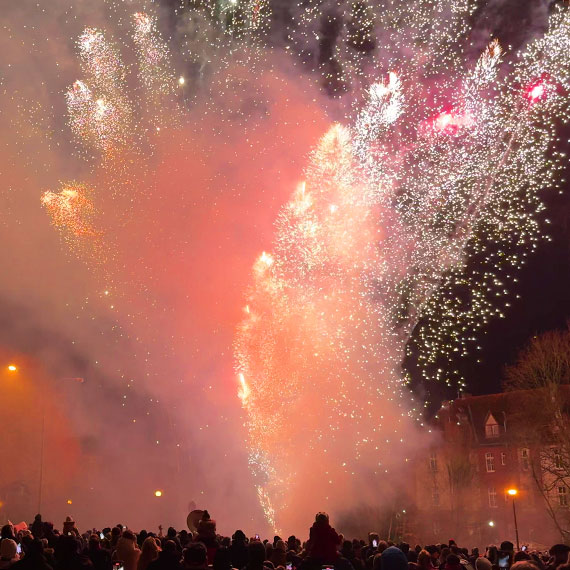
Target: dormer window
{"points": [[491, 427]]}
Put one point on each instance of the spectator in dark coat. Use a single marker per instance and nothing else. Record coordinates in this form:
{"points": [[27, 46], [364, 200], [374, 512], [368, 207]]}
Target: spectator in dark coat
{"points": [[195, 557], [238, 550], [37, 527], [100, 558], [35, 559], [323, 541], [168, 559]]}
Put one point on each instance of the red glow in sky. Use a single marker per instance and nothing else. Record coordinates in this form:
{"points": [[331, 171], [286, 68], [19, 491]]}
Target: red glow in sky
{"points": [[451, 121], [536, 92]]}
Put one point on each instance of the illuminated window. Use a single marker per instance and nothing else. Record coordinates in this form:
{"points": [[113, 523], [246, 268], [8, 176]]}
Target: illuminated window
{"points": [[503, 458], [490, 462], [492, 497], [433, 462], [525, 464]]}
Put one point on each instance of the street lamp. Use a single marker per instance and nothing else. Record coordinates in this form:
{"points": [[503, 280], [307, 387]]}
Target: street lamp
{"points": [[491, 523], [181, 85], [12, 368], [513, 493]]}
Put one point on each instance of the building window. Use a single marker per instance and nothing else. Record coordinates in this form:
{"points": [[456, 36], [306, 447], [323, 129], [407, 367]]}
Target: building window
{"points": [[503, 458], [492, 497], [557, 459], [435, 497], [525, 464], [490, 462], [562, 496], [433, 462]]}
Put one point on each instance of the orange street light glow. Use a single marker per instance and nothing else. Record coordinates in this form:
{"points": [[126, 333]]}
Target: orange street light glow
{"points": [[158, 493], [12, 368], [512, 492]]}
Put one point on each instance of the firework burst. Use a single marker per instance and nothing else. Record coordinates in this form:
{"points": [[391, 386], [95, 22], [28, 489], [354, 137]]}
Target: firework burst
{"points": [[371, 248]]}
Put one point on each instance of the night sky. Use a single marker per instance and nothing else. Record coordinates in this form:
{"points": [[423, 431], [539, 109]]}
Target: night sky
{"points": [[544, 282]]}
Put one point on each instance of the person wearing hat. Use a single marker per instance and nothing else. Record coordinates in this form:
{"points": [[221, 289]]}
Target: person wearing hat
{"points": [[238, 549], [207, 535], [8, 553], [483, 563], [393, 559]]}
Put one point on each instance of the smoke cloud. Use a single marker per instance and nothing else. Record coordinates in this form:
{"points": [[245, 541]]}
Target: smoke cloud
{"points": [[124, 336]]}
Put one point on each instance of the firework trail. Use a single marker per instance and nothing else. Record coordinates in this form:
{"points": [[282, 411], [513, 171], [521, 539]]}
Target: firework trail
{"points": [[373, 242]]}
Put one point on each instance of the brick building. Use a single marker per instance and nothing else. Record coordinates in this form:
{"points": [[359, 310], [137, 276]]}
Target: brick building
{"points": [[461, 485]]}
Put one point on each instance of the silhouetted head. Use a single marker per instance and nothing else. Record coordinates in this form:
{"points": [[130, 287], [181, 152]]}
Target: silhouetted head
{"points": [[129, 535], [222, 559], [238, 536], [256, 553], [195, 556], [149, 548], [560, 553], [424, 559], [393, 559], [483, 563], [8, 549], [35, 549], [68, 546], [452, 560], [170, 546]]}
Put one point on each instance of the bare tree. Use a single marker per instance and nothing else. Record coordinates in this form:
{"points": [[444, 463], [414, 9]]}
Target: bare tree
{"points": [[543, 363], [543, 419]]}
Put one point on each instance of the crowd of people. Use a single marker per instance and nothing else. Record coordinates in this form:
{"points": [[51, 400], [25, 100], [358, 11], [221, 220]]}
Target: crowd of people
{"points": [[40, 546]]}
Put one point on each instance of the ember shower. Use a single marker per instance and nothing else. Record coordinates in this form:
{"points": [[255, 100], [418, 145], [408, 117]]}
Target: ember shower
{"points": [[394, 201], [434, 159]]}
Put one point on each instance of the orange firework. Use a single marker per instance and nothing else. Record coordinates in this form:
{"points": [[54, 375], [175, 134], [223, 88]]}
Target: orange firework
{"points": [[73, 213]]}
